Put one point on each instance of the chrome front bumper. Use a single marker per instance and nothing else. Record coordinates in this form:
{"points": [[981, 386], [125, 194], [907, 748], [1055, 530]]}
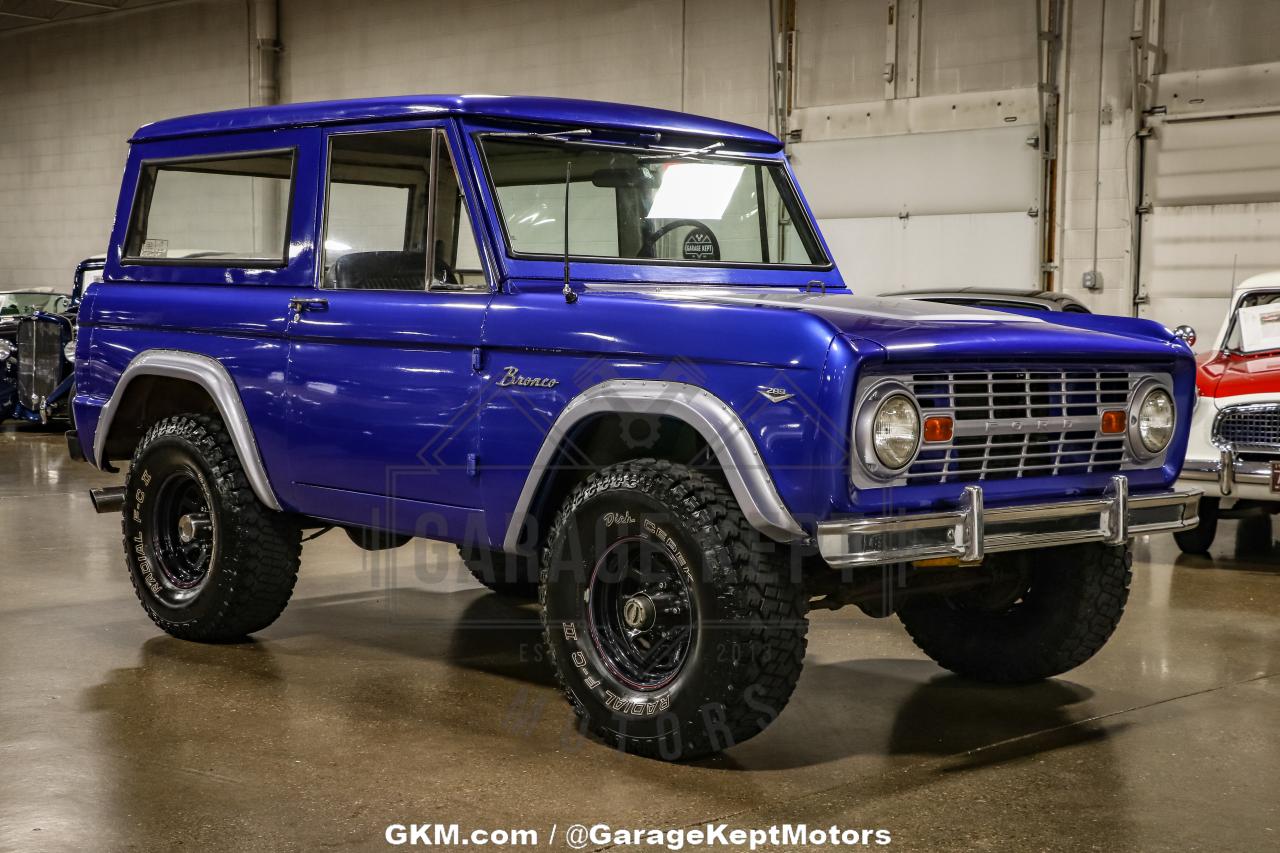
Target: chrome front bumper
{"points": [[970, 531], [1227, 471]]}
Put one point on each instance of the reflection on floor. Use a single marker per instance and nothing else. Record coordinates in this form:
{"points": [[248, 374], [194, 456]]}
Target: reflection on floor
{"points": [[395, 690]]}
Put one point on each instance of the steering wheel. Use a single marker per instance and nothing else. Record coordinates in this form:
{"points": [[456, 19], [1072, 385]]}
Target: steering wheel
{"points": [[646, 248]]}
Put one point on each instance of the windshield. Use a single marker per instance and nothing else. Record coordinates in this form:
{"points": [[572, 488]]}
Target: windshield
{"points": [[640, 205], [1256, 324], [14, 304]]}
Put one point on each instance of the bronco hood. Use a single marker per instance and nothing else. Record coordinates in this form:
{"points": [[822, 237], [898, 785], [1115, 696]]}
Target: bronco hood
{"points": [[917, 330]]}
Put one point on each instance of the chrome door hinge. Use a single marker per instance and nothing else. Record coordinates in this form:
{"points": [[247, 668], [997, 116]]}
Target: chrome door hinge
{"points": [[473, 465], [477, 359]]}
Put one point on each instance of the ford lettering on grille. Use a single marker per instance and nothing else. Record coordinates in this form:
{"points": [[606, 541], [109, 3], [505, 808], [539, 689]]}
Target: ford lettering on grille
{"points": [[1011, 424]]}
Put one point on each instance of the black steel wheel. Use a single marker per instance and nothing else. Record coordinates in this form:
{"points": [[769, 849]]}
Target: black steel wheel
{"points": [[641, 614], [676, 629], [208, 561], [180, 527]]}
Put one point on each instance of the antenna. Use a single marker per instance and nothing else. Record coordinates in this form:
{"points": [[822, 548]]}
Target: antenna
{"points": [[569, 295]]}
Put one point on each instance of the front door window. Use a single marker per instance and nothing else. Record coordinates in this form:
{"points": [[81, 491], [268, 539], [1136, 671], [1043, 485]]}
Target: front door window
{"points": [[378, 231]]}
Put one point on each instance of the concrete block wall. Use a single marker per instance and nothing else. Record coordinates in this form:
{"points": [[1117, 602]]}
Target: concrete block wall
{"points": [[70, 96], [703, 56]]}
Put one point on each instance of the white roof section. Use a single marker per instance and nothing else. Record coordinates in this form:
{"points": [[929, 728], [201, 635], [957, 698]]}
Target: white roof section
{"points": [[1261, 281]]}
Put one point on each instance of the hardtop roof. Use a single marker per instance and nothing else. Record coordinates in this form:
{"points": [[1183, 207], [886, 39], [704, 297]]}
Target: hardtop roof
{"points": [[558, 111]]}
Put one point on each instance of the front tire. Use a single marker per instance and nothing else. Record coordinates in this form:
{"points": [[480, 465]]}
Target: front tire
{"points": [[1045, 613], [208, 561], [1198, 539], [675, 628]]}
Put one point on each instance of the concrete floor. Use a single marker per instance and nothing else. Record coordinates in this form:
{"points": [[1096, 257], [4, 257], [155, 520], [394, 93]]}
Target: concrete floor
{"points": [[394, 690]]}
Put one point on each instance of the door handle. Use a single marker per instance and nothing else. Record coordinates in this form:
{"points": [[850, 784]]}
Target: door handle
{"points": [[300, 304]]}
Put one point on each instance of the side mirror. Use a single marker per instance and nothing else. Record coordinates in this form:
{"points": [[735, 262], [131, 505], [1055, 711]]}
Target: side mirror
{"points": [[1186, 334]]}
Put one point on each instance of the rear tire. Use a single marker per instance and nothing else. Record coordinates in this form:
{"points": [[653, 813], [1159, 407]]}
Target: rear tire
{"points": [[1198, 539], [675, 628], [505, 574], [1050, 612], [208, 561]]}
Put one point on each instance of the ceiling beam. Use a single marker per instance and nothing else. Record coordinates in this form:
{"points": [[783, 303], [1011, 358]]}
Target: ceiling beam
{"points": [[6, 14], [89, 4]]}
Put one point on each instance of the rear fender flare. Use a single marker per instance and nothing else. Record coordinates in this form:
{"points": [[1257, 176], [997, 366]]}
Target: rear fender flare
{"points": [[210, 375]]}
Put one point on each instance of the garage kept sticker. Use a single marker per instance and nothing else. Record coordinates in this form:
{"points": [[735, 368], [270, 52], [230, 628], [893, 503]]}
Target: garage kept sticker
{"points": [[699, 245]]}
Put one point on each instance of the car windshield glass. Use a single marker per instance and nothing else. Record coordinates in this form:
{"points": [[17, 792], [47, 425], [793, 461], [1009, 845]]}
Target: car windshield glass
{"points": [[12, 304], [1256, 324], [647, 206]]}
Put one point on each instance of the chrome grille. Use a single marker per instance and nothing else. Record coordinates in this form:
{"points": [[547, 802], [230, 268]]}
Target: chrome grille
{"points": [[1249, 426], [39, 359], [1020, 423]]}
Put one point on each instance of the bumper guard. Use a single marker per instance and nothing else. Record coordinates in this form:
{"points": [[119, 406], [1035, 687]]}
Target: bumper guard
{"points": [[1228, 471], [970, 531]]}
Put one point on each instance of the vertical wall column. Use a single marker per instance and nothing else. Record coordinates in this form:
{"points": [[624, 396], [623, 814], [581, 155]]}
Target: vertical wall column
{"points": [[264, 90], [264, 52]]}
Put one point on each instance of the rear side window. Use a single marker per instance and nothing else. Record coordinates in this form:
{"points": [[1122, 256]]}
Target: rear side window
{"points": [[226, 211]]}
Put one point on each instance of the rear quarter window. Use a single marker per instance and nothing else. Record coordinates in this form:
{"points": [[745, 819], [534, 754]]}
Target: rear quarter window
{"points": [[230, 210]]}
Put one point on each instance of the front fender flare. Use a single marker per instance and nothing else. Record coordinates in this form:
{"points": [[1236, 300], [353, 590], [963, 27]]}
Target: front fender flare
{"points": [[748, 476], [209, 374]]}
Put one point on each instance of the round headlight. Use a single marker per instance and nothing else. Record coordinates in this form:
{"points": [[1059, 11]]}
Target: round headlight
{"points": [[1155, 420], [895, 431], [70, 350], [6, 350]]}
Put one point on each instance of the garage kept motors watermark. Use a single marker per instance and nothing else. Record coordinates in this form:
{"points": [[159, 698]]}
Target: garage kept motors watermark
{"points": [[580, 836]]}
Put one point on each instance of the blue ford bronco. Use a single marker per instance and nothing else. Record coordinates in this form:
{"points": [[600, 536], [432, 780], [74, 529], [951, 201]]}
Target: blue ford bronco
{"points": [[605, 351]]}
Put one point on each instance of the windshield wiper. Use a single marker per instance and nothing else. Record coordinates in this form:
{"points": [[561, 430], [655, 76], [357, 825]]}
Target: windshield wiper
{"points": [[681, 155], [551, 136]]}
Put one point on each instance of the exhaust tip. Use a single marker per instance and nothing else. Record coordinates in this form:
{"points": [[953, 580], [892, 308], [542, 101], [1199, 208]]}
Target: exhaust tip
{"points": [[109, 499]]}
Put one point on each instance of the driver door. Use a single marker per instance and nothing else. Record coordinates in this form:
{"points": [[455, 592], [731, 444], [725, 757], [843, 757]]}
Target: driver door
{"points": [[380, 388]]}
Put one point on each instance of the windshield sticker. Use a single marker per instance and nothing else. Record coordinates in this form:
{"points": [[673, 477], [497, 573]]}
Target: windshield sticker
{"points": [[154, 248], [700, 245], [1259, 328]]}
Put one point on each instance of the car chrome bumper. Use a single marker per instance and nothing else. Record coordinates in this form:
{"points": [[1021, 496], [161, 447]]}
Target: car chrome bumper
{"points": [[970, 531], [1227, 470]]}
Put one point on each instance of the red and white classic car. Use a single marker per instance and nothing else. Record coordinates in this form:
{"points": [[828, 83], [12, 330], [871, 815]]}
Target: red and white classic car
{"points": [[1233, 452]]}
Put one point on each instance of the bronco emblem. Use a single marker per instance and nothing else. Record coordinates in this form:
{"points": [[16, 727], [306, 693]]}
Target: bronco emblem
{"points": [[511, 377]]}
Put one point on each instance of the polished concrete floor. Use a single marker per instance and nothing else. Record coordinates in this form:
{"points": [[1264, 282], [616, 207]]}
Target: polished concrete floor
{"points": [[394, 690]]}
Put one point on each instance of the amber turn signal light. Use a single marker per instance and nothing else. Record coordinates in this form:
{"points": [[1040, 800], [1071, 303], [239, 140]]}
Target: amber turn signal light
{"points": [[938, 428], [1113, 421]]}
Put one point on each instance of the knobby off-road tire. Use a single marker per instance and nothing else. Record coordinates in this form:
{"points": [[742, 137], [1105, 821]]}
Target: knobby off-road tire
{"points": [[505, 574], [1198, 539], [676, 630], [235, 574], [1070, 603]]}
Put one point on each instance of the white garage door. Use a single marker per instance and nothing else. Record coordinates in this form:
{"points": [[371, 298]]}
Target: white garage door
{"points": [[1213, 186], [945, 209]]}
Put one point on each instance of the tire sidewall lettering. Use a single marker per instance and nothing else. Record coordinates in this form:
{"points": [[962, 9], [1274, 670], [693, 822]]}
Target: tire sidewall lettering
{"points": [[149, 470], [649, 714]]}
